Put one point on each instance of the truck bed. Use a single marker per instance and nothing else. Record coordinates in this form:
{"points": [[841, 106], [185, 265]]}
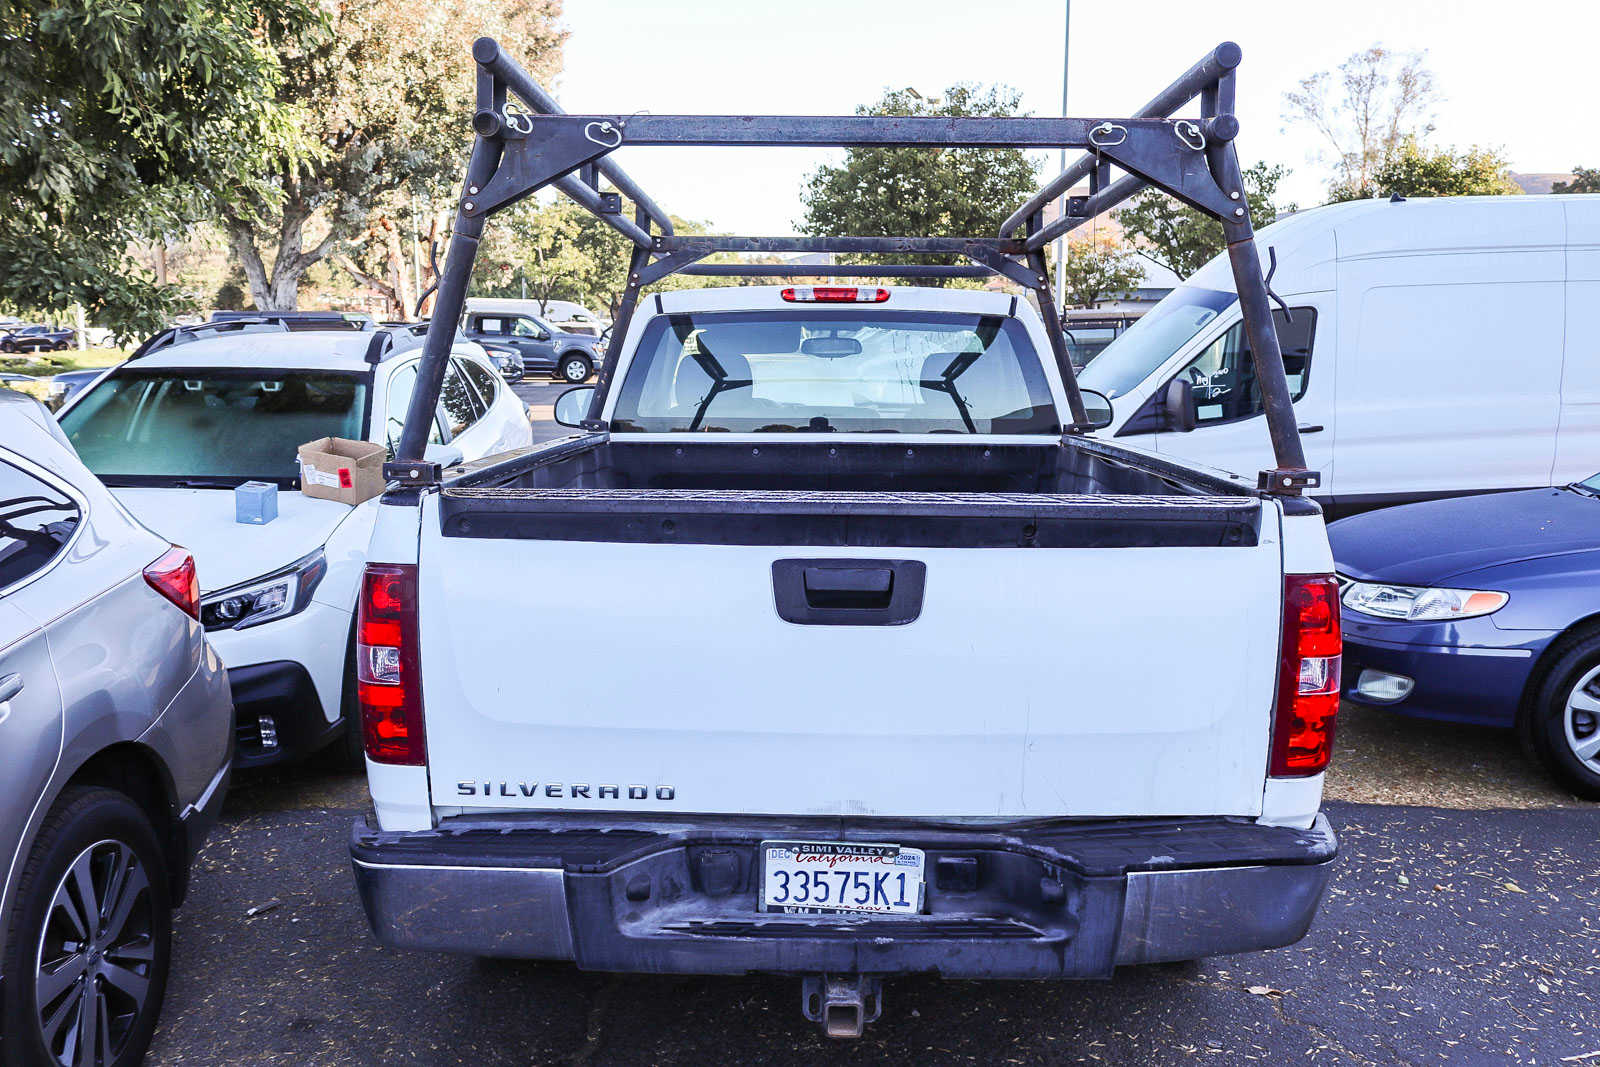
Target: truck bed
{"points": [[1077, 494]]}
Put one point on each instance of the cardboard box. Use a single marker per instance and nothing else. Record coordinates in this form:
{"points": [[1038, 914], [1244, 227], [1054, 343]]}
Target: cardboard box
{"points": [[333, 468]]}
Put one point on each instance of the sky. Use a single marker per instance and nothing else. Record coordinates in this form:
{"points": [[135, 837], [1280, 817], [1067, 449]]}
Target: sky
{"points": [[1525, 85]]}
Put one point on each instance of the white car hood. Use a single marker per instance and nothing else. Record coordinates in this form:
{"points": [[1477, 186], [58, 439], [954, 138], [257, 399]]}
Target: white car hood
{"points": [[227, 552]]}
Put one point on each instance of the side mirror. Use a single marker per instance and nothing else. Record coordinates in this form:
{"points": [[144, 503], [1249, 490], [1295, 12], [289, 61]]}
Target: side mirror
{"points": [[572, 406], [1181, 411], [443, 455], [1097, 406]]}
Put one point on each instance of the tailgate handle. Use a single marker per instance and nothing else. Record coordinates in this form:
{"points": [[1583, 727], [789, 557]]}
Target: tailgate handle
{"points": [[848, 592], [848, 587]]}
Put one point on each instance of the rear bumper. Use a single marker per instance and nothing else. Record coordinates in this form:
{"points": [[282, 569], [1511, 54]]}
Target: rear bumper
{"points": [[1057, 900]]}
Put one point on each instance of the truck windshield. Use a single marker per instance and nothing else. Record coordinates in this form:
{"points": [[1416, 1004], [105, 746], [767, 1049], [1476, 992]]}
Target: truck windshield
{"points": [[843, 371], [198, 427], [1147, 344]]}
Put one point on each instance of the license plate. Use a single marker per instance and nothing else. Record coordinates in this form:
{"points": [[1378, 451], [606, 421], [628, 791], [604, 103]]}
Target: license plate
{"points": [[816, 877]]}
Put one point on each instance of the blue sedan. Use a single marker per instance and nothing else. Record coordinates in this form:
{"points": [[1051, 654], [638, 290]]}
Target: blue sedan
{"points": [[1482, 609]]}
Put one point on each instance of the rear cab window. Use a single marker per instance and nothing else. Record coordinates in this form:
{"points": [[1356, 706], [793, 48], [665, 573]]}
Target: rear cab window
{"points": [[821, 372]]}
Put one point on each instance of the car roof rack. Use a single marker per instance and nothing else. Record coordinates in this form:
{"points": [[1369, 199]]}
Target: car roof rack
{"points": [[393, 338], [225, 322], [525, 141]]}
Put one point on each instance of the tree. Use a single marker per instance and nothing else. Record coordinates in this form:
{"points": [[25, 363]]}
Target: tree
{"points": [[1584, 180], [114, 116], [1182, 239], [384, 98], [922, 191], [1413, 169], [1098, 267], [1382, 97]]}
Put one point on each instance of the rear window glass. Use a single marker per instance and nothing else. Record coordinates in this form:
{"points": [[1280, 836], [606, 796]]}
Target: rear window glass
{"points": [[821, 372], [207, 424], [36, 522]]}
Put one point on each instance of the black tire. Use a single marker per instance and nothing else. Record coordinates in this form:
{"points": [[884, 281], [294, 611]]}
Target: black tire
{"points": [[1554, 719], [62, 346], [568, 365], [109, 829], [8, 346], [351, 744]]}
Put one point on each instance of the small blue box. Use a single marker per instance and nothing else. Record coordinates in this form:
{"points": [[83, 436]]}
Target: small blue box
{"points": [[255, 503]]}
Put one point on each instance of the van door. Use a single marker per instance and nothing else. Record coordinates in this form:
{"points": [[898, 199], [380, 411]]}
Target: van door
{"points": [[1578, 440], [1230, 423], [1450, 372]]}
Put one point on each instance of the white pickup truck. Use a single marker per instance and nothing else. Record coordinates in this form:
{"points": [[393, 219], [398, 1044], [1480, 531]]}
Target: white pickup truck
{"points": [[899, 671]]}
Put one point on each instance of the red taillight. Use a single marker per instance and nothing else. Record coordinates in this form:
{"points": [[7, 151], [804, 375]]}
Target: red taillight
{"points": [[173, 576], [388, 675], [835, 294], [1308, 677]]}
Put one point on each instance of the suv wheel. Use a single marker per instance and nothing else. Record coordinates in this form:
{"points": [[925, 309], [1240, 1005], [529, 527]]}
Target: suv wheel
{"points": [[8, 346], [90, 941], [1564, 717], [574, 368]]}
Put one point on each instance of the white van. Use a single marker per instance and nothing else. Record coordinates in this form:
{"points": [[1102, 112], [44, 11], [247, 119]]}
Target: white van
{"points": [[1435, 347]]}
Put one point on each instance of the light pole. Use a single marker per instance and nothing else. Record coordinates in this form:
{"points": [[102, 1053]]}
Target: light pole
{"points": [[1061, 242]]}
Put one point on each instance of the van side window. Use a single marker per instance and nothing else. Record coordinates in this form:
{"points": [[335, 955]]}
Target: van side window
{"points": [[36, 521], [1224, 377]]}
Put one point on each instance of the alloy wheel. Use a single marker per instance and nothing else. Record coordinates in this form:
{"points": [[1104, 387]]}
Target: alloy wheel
{"points": [[96, 956], [574, 370], [1582, 720]]}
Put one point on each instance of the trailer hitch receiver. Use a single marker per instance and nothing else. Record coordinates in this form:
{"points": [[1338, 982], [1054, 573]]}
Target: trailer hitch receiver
{"points": [[843, 1004]]}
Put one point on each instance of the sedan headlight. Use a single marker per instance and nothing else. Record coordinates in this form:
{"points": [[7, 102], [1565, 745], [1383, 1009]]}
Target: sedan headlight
{"points": [[1421, 603], [273, 596]]}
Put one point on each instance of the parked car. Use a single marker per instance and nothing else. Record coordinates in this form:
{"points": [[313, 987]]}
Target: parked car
{"points": [[1482, 610], [115, 730], [1090, 331], [38, 339], [62, 386], [200, 410], [1411, 327], [507, 360], [565, 316], [567, 357]]}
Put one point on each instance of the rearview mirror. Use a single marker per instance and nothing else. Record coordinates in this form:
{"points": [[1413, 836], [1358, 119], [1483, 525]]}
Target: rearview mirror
{"points": [[1181, 411], [830, 347], [1097, 407], [572, 406]]}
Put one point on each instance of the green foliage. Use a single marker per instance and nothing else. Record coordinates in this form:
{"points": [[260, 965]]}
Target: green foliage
{"points": [[385, 99], [1584, 180], [1413, 169], [114, 114], [1097, 268], [1377, 100], [1184, 240], [922, 191]]}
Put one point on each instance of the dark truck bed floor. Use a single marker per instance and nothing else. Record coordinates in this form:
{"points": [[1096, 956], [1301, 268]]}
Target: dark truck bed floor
{"points": [[1081, 494]]}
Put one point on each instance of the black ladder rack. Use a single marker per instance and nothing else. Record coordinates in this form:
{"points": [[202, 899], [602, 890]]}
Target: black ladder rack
{"points": [[524, 142]]}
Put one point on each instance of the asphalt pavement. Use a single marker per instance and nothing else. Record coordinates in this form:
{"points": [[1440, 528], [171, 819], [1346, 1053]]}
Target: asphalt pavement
{"points": [[1459, 934]]}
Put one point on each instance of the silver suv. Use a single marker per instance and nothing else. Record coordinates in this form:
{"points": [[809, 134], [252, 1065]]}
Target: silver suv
{"points": [[115, 743]]}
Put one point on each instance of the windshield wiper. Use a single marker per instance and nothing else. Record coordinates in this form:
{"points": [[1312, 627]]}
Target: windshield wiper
{"points": [[1584, 490], [205, 483]]}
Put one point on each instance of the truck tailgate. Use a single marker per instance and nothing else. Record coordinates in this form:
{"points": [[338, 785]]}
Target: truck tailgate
{"points": [[571, 675]]}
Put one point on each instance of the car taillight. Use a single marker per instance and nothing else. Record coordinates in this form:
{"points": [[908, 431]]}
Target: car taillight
{"points": [[173, 576], [388, 674], [835, 294], [1308, 677]]}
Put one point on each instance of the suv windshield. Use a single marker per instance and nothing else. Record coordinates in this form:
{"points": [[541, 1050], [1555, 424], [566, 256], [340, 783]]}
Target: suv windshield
{"points": [[817, 372], [176, 426], [1134, 356]]}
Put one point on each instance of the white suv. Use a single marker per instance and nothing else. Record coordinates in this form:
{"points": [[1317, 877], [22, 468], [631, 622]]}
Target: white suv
{"points": [[199, 410]]}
